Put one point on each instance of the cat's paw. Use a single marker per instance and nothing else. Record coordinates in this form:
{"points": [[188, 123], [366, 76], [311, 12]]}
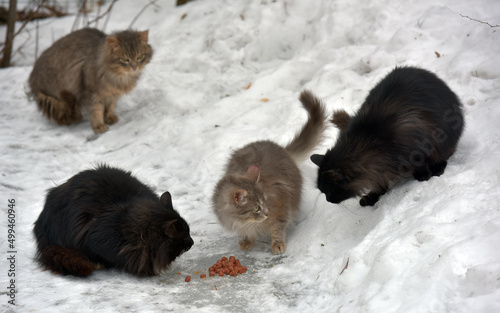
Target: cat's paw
{"points": [[100, 128], [369, 200], [422, 174], [438, 168], [247, 244], [111, 119], [278, 247], [81, 268]]}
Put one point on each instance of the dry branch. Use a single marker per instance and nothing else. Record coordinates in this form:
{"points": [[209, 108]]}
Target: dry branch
{"points": [[5, 48], [108, 11], [473, 19]]}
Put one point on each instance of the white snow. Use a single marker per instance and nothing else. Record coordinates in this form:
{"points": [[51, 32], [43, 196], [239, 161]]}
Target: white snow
{"points": [[425, 247]]}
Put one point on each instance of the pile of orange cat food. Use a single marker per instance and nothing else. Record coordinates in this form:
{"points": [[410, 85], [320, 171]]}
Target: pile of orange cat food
{"points": [[224, 266]]}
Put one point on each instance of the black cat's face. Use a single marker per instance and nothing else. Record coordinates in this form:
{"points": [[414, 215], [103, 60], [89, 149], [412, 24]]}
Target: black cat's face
{"points": [[178, 237], [175, 229], [332, 182], [172, 240], [334, 188]]}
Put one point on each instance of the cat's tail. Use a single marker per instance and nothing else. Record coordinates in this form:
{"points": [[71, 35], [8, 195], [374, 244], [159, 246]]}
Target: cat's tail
{"points": [[63, 112], [341, 119], [65, 261], [311, 133]]}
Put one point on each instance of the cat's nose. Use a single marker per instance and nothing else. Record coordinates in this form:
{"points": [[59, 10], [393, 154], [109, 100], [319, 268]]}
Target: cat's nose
{"points": [[265, 211]]}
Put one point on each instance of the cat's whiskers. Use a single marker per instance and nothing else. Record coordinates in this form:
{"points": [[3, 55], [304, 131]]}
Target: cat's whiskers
{"points": [[248, 223], [343, 206]]}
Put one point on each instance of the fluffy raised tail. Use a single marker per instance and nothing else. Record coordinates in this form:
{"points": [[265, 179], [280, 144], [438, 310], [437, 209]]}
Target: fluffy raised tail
{"points": [[312, 133], [341, 119], [65, 261], [63, 112]]}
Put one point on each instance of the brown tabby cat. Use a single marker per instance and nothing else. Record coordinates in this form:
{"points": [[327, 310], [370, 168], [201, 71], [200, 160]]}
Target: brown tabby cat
{"points": [[260, 192], [90, 69]]}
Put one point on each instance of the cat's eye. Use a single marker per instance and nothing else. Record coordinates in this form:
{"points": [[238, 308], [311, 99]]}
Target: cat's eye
{"points": [[256, 209], [140, 57], [126, 60]]}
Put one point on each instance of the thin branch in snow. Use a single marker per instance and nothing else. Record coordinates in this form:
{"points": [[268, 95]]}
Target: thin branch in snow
{"points": [[473, 19], [25, 23], [345, 267], [108, 11]]}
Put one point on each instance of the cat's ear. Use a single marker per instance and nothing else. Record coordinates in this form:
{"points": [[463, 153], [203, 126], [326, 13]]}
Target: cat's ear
{"points": [[112, 41], [317, 159], [240, 196], [166, 200], [253, 172], [170, 229], [143, 36]]}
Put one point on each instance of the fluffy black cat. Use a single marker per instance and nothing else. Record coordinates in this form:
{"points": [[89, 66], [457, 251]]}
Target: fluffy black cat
{"points": [[409, 125], [106, 216]]}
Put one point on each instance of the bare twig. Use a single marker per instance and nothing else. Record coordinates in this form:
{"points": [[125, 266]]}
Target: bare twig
{"points": [[345, 267], [36, 39], [9, 38], [473, 19], [106, 22], [151, 2], [103, 14], [26, 21], [99, 5], [81, 11]]}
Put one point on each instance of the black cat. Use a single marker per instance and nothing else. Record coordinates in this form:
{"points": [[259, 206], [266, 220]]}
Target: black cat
{"points": [[409, 125], [106, 216]]}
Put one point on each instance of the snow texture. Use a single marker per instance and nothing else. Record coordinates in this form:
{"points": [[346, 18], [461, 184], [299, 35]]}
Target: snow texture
{"points": [[425, 247]]}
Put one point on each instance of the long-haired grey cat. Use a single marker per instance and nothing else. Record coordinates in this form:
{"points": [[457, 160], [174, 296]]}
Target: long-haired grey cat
{"points": [[260, 192]]}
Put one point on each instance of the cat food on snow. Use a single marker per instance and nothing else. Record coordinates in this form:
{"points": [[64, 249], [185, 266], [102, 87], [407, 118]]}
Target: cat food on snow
{"points": [[225, 266]]}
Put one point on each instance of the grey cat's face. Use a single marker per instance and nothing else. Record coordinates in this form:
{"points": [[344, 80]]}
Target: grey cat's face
{"points": [[250, 204], [133, 63], [129, 52], [240, 201]]}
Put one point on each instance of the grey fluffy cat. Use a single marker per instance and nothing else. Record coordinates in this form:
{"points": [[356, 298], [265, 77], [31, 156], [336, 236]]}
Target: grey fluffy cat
{"points": [[88, 69], [260, 192]]}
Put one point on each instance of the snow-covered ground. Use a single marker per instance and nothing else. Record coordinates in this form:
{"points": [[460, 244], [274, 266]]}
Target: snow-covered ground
{"points": [[425, 247]]}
